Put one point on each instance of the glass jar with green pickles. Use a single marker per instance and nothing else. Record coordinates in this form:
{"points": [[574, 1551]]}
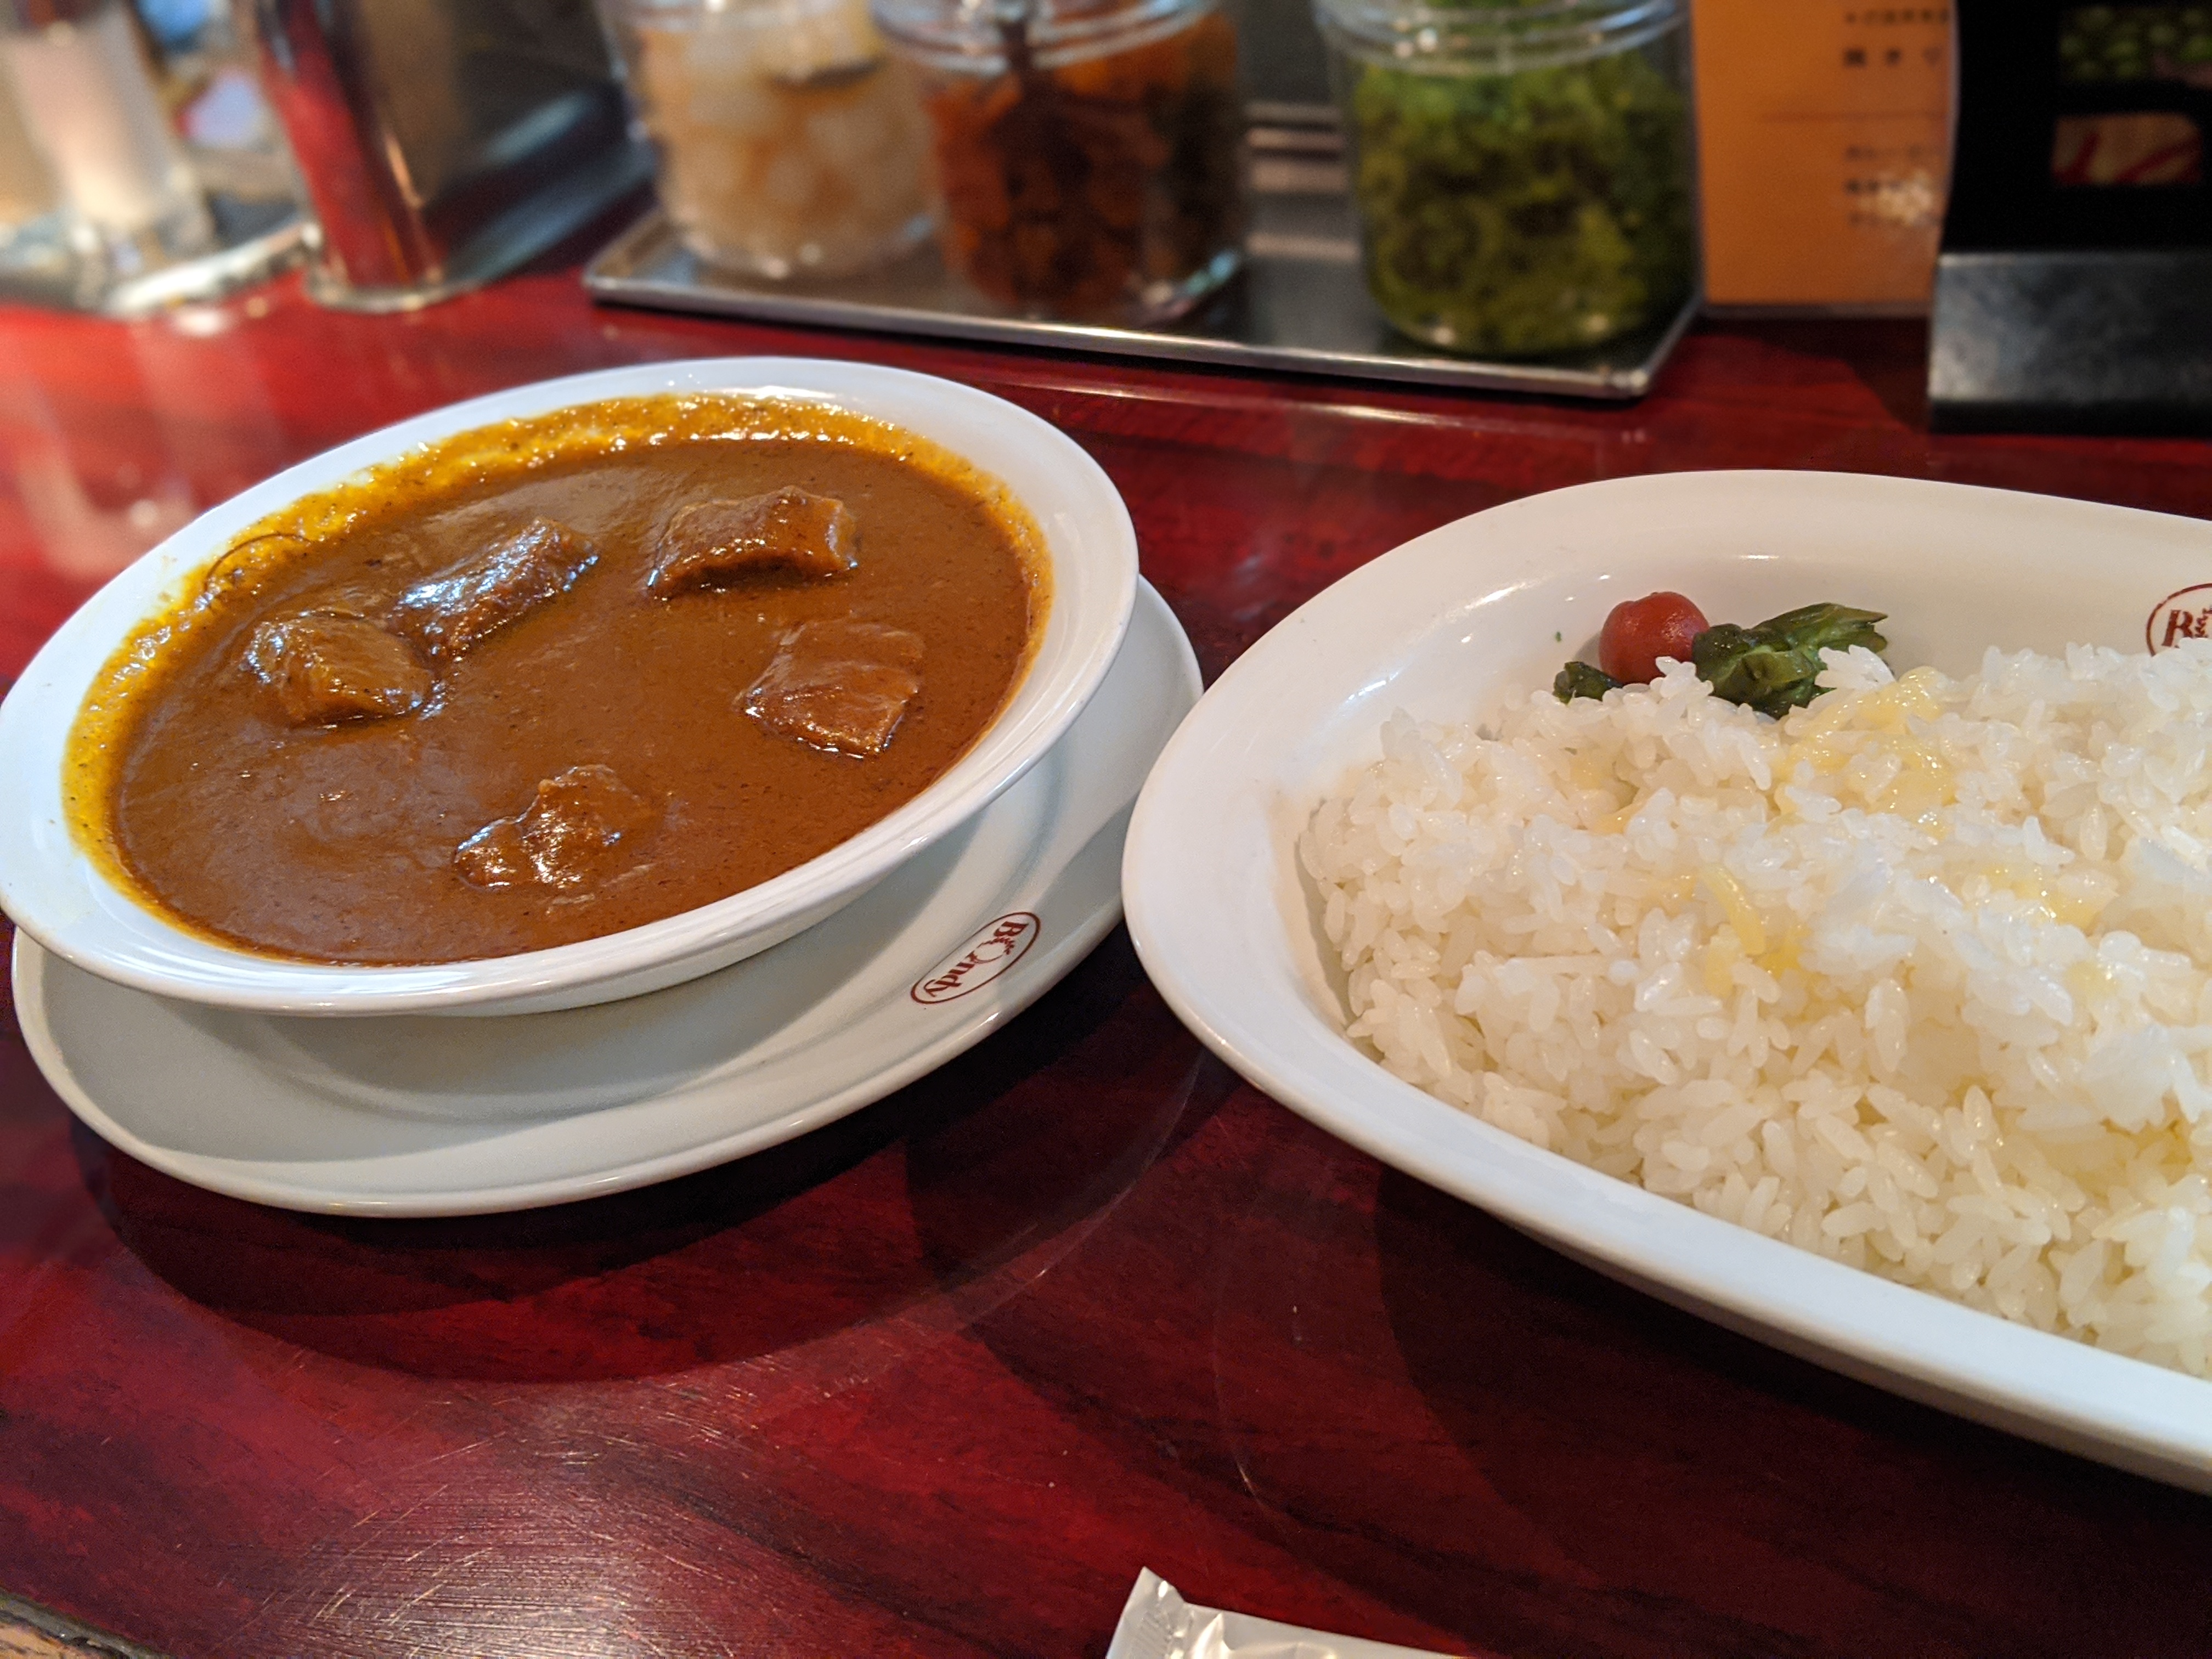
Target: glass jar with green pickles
{"points": [[1522, 167]]}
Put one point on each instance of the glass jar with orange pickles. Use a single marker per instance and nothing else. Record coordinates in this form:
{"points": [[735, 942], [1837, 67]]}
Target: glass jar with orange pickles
{"points": [[1089, 152]]}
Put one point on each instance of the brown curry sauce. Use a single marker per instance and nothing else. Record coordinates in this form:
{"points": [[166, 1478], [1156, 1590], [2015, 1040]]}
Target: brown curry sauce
{"points": [[187, 781]]}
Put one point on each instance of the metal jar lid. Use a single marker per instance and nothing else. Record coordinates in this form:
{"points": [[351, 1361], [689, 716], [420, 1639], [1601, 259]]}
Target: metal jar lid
{"points": [[972, 35], [1494, 39]]}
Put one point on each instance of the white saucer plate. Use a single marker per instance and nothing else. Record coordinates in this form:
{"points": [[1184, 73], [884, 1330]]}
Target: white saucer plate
{"points": [[1444, 626], [416, 1114]]}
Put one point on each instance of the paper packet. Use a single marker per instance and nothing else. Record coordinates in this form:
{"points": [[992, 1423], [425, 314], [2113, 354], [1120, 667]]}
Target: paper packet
{"points": [[1157, 1623]]}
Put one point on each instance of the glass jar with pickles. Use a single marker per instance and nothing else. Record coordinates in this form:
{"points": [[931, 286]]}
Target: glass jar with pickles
{"points": [[1520, 167], [1088, 151], [787, 141]]}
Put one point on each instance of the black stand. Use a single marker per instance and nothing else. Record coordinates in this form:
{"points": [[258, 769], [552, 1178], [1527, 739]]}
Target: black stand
{"points": [[2069, 306]]}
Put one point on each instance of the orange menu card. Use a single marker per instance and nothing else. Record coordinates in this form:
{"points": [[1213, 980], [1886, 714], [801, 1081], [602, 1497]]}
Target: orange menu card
{"points": [[1824, 147]]}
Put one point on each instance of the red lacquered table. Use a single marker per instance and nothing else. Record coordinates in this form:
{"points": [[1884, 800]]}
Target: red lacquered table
{"points": [[941, 1378]]}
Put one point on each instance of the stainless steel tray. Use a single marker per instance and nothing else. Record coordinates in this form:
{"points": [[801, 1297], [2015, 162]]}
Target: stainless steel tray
{"points": [[1300, 303]]}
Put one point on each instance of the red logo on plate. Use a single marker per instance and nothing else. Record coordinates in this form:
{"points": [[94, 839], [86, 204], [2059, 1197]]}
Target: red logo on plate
{"points": [[989, 952], [2186, 615]]}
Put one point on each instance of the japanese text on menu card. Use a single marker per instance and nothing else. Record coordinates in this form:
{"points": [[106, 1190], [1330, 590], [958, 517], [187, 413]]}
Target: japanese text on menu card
{"points": [[1824, 138]]}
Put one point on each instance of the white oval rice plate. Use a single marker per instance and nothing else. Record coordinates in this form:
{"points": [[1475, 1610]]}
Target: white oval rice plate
{"points": [[1446, 626]]}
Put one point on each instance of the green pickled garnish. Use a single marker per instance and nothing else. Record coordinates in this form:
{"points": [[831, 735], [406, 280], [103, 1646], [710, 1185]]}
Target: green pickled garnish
{"points": [[1579, 679], [1774, 666]]}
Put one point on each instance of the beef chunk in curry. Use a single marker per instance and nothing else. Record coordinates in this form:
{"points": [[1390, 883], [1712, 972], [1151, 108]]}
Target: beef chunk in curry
{"points": [[789, 530], [438, 656], [329, 665], [452, 613], [839, 685], [572, 832]]}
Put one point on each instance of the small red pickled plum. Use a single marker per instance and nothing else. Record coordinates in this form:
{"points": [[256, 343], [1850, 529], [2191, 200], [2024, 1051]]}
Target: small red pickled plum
{"points": [[1637, 633]]}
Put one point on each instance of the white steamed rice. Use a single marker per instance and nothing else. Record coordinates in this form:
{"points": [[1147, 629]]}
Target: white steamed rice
{"points": [[1919, 978]]}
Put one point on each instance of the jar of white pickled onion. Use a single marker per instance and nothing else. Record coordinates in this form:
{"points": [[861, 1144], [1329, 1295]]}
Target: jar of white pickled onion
{"points": [[788, 141]]}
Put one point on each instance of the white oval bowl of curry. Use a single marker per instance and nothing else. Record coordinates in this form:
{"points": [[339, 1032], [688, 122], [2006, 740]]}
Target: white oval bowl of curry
{"points": [[64, 881]]}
